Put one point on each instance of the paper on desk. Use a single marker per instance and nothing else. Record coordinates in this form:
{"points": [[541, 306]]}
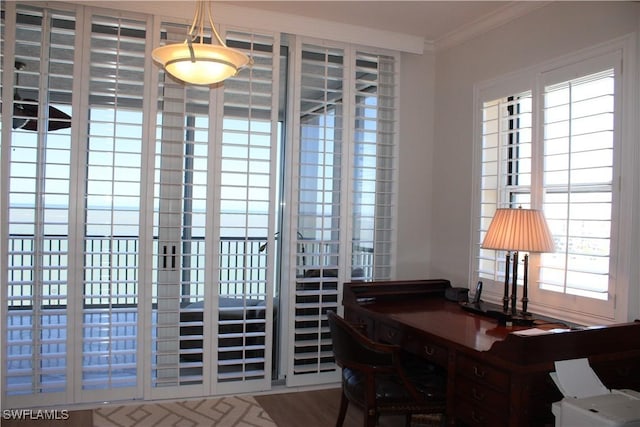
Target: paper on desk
{"points": [[575, 378], [530, 332], [538, 331]]}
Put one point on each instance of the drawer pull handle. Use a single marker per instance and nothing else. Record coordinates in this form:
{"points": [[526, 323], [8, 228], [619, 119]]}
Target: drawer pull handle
{"points": [[429, 350], [476, 417], [477, 395], [480, 373]]}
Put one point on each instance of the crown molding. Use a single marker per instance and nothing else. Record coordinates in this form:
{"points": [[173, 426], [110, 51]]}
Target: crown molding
{"points": [[509, 12]]}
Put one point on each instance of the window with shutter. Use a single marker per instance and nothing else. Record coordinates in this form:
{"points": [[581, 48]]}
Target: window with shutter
{"points": [[578, 181], [558, 147], [505, 168]]}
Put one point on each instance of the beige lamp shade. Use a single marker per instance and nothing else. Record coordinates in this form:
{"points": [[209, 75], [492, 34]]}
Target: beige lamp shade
{"points": [[519, 230]]}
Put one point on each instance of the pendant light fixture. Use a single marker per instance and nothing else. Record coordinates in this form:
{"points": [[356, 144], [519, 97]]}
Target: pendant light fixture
{"points": [[197, 62]]}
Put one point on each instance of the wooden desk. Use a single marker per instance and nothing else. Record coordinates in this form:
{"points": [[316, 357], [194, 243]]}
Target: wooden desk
{"points": [[495, 378]]}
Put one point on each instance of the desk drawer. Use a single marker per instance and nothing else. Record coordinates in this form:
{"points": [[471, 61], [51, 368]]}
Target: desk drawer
{"points": [[477, 416], [427, 350], [482, 373], [363, 323], [388, 334], [624, 373], [480, 395]]}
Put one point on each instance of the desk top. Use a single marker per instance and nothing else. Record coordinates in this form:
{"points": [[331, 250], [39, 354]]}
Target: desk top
{"points": [[424, 309], [447, 320]]}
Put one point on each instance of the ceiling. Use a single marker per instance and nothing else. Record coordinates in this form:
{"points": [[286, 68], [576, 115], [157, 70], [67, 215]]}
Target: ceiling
{"points": [[432, 20]]}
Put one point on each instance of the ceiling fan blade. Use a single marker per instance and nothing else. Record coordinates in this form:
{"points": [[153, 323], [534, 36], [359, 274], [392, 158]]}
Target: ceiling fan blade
{"points": [[26, 117]]}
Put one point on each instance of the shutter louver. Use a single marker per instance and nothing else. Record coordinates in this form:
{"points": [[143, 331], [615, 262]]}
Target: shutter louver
{"points": [[38, 211]]}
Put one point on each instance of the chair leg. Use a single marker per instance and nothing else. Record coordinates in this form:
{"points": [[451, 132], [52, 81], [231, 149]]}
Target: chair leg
{"points": [[344, 404], [370, 418]]}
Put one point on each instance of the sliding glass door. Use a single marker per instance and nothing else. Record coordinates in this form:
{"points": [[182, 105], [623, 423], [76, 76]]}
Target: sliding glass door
{"points": [[162, 240]]}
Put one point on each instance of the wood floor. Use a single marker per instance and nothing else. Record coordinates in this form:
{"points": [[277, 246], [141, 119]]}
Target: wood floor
{"points": [[318, 408]]}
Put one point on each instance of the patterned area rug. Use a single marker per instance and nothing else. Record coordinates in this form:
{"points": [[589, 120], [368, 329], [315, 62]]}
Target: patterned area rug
{"points": [[241, 411]]}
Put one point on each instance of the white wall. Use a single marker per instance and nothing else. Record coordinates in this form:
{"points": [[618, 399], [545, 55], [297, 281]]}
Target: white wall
{"points": [[415, 162], [546, 33]]}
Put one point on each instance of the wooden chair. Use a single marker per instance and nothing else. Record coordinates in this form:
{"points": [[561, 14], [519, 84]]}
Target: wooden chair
{"points": [[377, 379]]}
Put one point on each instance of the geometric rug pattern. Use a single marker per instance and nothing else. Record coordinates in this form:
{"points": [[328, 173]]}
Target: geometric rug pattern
{"points": [[232, 411]]}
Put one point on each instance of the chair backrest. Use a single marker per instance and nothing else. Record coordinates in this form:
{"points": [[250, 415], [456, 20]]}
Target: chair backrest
{"points": [[351, 348]]}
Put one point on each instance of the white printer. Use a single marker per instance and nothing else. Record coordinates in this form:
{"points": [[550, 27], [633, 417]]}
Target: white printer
{"points": [[588, 403]]}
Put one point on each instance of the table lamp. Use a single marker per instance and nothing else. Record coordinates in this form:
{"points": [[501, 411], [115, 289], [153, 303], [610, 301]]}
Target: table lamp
{"points": [[515, 230]]}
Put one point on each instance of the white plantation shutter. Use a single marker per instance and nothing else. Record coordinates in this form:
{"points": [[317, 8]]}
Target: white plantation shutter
{"points": [[36, 297], [374, 166], [110, 320], [182, 148], [578, 179], [343, 193], [320, 186], [505, 169], [246, 217]]}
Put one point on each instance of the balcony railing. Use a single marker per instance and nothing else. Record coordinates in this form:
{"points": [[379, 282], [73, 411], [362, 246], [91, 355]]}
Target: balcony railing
{"points": [[113, 262]]}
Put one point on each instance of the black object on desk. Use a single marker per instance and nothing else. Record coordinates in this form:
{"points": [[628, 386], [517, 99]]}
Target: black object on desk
{"points": [[494, 311], [457, 294]]}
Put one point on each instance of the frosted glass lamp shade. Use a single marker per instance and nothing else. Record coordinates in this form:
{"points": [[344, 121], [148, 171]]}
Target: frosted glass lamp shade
{"points": [[200, 63]]}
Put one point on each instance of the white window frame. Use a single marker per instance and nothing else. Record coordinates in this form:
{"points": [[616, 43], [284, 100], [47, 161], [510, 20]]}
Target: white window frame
{"points": [[571, 308]]}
